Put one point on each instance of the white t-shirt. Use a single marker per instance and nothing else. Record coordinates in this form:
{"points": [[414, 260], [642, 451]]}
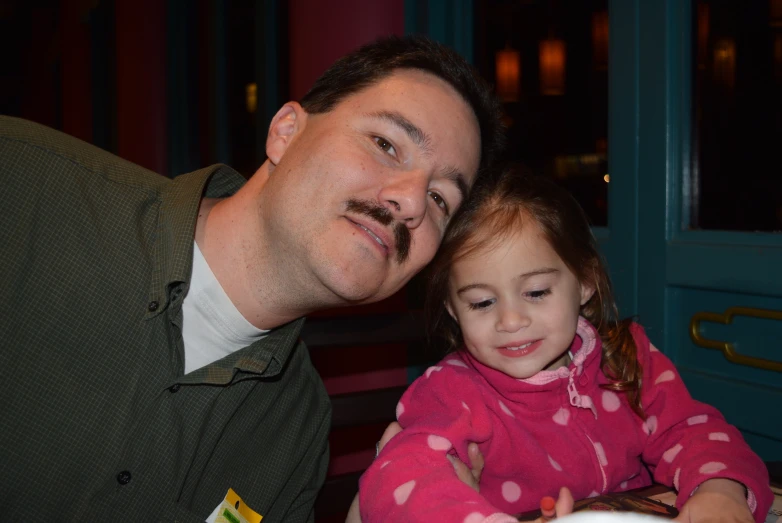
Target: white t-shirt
{"points": [[212, 326]]}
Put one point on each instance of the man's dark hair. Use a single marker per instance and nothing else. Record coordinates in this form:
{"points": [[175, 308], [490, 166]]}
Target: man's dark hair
{"points": [[375, 61]]}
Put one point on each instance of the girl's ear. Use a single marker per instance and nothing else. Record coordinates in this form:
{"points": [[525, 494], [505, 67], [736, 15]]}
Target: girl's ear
{"points": [[587, 290], [289, 121], [450, 311]]}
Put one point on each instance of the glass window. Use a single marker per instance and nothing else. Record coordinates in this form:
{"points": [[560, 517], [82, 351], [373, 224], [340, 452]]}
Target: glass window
{"points": [[549, 62], [736, 175], [242, 97]]}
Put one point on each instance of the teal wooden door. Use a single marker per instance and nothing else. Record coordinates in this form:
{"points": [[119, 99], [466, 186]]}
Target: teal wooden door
{"points": [[696, 291], [667, 269]]}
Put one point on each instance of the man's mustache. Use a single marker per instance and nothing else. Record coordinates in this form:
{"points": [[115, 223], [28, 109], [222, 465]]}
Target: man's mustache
{"points": [[384, 217]]}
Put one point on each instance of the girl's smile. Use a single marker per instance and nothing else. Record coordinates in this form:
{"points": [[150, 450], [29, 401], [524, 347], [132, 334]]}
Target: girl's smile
{"points": [[517, 351], [517, 304]]}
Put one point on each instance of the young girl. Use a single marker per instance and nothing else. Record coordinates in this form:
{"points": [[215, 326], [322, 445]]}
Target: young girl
{"points": [[551, 385]]}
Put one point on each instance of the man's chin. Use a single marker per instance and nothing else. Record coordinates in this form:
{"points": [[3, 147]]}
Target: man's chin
{"points": [[365, 294], [350, 288], [348, 294]]}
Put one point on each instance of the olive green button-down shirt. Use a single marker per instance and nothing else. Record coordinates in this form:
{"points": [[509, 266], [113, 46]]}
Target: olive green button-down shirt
{"points": [[98, 421]]}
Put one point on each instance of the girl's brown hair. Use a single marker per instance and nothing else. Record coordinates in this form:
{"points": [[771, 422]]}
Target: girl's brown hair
{"points": [[498, 207]]}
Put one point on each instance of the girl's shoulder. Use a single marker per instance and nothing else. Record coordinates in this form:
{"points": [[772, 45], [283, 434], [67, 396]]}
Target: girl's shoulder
{"points": [[646, 352], [442, 393], [639, 336], [450, 373], [456, 362]]}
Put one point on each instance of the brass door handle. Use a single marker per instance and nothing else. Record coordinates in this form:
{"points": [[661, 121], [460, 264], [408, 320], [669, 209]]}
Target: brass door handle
{"points": [[727, 348]]}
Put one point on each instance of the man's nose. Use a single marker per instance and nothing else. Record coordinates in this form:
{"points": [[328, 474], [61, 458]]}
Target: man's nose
{"points": [[406, 197]]}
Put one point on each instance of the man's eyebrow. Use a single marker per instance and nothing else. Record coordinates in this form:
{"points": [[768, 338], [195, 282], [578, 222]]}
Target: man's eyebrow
{"points": [[423, 142], [537, 272], [457, 178], [415, 133]]}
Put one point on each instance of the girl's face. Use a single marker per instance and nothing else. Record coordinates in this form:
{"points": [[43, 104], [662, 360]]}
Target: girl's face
{"points": [[517, 304]]}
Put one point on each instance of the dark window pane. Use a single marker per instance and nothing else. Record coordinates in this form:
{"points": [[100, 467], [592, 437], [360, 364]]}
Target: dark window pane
{"points": [[242, 96], [736, 181], [549, 61]]}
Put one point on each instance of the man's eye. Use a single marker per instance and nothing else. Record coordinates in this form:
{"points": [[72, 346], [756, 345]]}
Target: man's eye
{"points": [[440, 201], [385, 145]]}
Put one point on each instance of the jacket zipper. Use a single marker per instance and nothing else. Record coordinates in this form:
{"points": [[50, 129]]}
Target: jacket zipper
{"points": [[602, 469]]}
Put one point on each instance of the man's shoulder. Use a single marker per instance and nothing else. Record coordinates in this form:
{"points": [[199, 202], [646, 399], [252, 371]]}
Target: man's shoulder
{"points": [[308, 373], [297, 374], [35, 149]]}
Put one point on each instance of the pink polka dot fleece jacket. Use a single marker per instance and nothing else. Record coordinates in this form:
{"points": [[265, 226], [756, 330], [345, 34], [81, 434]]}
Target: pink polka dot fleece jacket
{"points": [[557, 428]]}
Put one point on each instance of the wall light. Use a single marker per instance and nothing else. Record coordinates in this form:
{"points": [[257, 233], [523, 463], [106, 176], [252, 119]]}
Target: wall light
{"points": [[600, 40], [251, 97], [508, 66], [725, 62], [552, 67]]}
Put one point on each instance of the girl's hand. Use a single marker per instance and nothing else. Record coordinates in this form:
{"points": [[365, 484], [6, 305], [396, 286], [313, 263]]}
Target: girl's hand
{"points": [[552, 510], [470, 476], [717, 500], [354, 514]]}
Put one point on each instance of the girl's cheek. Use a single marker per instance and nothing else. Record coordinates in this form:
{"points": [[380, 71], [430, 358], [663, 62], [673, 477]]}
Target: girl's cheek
{"points": [[473, 327], [489, 326]]}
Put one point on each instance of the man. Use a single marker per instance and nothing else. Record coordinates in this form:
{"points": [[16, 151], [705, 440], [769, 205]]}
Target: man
{"points": [[150, 357]]}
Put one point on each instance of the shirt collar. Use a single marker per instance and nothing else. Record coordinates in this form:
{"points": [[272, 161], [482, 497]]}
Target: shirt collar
{"points": [[172, 263], [265, 358], [172, 253]]}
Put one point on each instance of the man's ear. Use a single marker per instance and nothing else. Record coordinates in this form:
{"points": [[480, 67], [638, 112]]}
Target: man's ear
{"points": [[289, 121]]}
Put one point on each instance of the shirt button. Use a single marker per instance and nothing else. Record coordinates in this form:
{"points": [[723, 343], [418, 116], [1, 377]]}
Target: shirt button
{"points": [[152, 307], [174, 387], [123, 478]]}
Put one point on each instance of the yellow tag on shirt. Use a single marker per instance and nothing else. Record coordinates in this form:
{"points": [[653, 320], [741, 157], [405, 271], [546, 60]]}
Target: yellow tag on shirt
{"points": [[233, 510]]}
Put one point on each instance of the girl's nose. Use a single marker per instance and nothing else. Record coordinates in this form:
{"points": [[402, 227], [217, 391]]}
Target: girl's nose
{"points": [[512, 320]]}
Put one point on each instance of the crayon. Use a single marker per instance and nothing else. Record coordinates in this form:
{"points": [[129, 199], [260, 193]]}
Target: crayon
{"points": [[547, 505]]}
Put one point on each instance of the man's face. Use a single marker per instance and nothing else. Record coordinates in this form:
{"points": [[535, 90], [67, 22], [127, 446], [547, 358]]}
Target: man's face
{"points": [[360, 197]]}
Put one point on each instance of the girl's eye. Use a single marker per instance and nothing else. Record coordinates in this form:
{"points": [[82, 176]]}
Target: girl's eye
{"points": [[440, 201], [538, 295], [481, 305], [384, 145]]}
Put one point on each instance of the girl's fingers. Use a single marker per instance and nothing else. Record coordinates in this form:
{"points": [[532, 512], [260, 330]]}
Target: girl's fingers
{"points": [[392, 430], [476, 461], [463, 472], [564, 504], [551, 509]]}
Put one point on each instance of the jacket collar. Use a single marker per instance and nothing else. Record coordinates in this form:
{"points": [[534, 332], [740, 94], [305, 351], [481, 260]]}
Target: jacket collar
{"points": [[581, 372]]}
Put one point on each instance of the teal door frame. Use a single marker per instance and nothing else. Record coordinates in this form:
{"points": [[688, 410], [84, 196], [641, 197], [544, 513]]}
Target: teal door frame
{"points": [[674, 272], [619, 241], [647, 127], [739, 262], [446, 21]]}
